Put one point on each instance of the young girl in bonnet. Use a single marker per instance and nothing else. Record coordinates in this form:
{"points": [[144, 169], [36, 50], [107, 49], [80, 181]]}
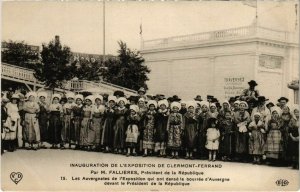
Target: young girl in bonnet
{"points": [[212, 138], [132, 132]]}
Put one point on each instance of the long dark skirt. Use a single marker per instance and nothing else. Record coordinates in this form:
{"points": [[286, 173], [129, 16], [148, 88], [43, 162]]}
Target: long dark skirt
{"points": [[75, 130], [108, 132], [65, 133], [241, 143], [43, 122], [226, 145], [95, 131], [54, 128], [190, 136], [119, 138]]}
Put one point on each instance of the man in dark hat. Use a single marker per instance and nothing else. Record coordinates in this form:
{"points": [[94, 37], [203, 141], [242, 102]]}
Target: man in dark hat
{"points": [[209, 98], [269, 105], [198, 98], [251, 92], [231, 101], [282, 101], [176, 98], [159, 97], [119, 94]]}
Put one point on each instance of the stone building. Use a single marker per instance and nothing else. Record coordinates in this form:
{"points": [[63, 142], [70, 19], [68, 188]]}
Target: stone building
{"points": [[222, 62]]}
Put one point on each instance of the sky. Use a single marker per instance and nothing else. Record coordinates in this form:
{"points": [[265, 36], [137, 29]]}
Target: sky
{"points": [[80, 24]]}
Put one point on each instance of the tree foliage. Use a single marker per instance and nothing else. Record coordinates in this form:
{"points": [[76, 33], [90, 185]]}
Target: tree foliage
{"points": [[128, 70], [87, 70], [55, 64], [19, 53]]}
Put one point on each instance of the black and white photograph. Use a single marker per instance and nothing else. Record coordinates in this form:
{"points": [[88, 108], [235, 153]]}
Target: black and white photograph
{"points": [[105, 95]]}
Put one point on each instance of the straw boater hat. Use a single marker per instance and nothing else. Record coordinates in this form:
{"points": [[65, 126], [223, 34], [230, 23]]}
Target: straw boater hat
{"points": [[122, 99], [163, 102], [79, 96], [98, 97], [15, 96], [134, 108], [152, 102], [90, 97], [112, 98], [56, 95], [70, 95], [175, 104], [42, 94]]}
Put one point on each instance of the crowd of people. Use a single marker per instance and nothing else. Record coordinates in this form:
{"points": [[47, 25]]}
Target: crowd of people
{"points": [[244, 128]]}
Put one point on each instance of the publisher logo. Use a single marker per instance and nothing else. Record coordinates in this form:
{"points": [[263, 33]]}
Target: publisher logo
{"points": [[16, 177], [282, 182]]}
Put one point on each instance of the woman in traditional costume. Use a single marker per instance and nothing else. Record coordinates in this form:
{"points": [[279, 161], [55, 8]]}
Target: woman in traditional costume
{"points": [[175, 130], [76, 121], [149, 127], [109, 123], [55, 126], [190, 126], [86, 123], [32, 129], [96, 129], [242, 119], [161, 123], [43, 117], [119, 128], [67, 120]]}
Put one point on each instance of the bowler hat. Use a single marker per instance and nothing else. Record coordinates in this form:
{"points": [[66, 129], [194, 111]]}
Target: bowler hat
{"points": [[198, 98], [231, 99], [119, 93], [270, 104], [253, 83], [261, 99], [283, 98], [176, 98]]}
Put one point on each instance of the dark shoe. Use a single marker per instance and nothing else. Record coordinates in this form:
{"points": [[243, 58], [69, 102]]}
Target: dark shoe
{"points": [[144, 155], [128, 154], [186, 157]]}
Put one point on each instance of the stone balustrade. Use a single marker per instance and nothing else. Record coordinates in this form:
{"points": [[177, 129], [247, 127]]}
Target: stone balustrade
{"points": [[213, 36]]}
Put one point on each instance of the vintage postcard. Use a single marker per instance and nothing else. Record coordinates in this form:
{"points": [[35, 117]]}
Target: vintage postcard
{"points": [[150, 95]]}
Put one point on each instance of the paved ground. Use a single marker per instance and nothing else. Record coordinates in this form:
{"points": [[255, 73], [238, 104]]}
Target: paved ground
{"points": [[50, 169]]}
